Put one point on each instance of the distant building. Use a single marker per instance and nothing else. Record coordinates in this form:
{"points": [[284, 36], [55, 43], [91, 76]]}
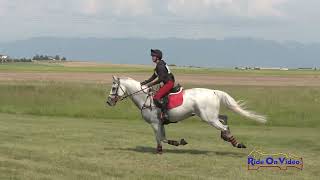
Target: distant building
{"points": [[4, 58], [274, 68], [51, 58], [262, 68]]}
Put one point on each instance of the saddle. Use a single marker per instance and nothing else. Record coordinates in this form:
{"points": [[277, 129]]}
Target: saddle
{"points": [[174, 98], [176, 89]]}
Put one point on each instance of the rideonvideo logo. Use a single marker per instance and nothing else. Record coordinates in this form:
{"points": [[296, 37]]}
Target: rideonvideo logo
{"points": [[258, 159]]}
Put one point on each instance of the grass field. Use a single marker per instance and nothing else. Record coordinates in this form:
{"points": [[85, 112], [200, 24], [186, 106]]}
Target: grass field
{"points": [[284, 106], [62, 130], [40, 147]]}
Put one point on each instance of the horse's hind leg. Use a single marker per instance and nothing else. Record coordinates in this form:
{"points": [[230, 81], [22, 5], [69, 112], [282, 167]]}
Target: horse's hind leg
{"points": [[212, 119], [226, 135], [215, 121]]}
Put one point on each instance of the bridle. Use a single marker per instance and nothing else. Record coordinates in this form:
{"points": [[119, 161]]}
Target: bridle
{"points": [[117, 97], [115, 94]]}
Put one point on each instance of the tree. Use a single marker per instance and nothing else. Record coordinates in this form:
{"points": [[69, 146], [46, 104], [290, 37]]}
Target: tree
{"points": [[57, 57], [36, 57], [64, 59]]}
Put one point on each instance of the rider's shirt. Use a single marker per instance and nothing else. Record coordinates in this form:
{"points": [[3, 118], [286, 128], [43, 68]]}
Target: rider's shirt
{"points": [[162, 72]]}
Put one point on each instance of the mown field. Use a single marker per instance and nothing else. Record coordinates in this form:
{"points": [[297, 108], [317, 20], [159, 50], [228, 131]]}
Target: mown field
{"points": [[60, 67], [63, 130], [42, 147]]}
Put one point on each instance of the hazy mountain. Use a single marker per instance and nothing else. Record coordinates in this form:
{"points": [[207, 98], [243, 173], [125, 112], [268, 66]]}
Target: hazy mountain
{"points": [[204, 52]]}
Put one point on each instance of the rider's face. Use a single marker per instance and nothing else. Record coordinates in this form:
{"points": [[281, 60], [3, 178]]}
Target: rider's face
{"points": [[154, 59]]}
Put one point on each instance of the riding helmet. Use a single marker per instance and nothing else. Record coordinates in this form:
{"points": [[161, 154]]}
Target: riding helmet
{"points": [[157, 53]]}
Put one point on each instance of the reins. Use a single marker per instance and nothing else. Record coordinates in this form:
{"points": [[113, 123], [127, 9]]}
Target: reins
{"points": [[126, 96]]}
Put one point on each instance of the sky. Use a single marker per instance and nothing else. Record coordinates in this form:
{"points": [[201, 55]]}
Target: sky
{"points": [[281, 20]]}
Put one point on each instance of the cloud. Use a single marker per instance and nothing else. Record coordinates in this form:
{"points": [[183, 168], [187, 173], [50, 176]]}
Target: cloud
{"points": [[160, 18], [3, 7], [191, 8], [265, 8], [89, 6], [243, 8], [178, 8], [131, 7], [112, 7], [85, 7]]}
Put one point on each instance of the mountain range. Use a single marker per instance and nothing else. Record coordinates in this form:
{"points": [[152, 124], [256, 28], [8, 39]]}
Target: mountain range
{"points": [[229, 52]]}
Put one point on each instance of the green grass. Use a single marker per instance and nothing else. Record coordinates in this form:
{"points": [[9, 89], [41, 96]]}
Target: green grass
{"points": [[284, 106], [34, 67], [60, 130], [42, 147]]}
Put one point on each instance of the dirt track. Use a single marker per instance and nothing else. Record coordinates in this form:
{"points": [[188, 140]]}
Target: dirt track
{"points": [[184, 79]]}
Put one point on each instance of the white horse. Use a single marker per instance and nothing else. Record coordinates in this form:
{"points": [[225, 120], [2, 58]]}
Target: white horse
{"points": [[204, 103]]}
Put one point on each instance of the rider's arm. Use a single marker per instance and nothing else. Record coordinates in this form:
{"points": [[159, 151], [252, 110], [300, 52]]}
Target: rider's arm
{"points": [[155, 82], [153, 77]]}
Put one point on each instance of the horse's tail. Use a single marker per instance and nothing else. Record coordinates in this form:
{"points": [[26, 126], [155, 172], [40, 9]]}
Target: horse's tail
{"points": [[233, 105]]}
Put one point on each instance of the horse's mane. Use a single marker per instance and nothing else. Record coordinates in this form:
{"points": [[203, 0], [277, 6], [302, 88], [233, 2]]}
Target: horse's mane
{"points": [[137, 83], [127, 78]]}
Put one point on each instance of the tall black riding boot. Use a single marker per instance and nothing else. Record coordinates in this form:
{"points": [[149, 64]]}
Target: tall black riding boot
{"points": [[163, 114]]}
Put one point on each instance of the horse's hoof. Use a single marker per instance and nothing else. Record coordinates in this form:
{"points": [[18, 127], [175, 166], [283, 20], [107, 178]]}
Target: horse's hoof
{"points": [[240, 145], [159, 150], [173, 143], [183, 142]]}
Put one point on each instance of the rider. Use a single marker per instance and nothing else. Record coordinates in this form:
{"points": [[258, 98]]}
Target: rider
{"points": [[164, 75]]}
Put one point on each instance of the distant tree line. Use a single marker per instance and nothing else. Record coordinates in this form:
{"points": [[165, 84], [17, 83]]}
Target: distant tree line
{"points": [[36, 57], [46, 58], [17, 60]]}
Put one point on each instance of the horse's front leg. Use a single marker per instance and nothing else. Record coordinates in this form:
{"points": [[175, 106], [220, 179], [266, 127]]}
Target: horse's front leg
{"points": [[157, 132]]}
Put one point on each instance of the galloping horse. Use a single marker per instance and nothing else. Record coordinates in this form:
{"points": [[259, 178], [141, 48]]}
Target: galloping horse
{"points": [[204, 103]]}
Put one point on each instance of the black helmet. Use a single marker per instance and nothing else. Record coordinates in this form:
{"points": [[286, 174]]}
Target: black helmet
{"points": [[157, 53]]}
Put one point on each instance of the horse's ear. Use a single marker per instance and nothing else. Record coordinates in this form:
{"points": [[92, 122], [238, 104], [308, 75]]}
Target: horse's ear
{"points": [[114, 78]]}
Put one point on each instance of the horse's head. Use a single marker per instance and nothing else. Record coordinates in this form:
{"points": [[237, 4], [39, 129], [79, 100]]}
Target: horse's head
{"points": [[116, 92]]}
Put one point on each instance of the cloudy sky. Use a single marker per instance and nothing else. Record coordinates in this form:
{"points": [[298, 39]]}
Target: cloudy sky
{"points": [[268, 19]]}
